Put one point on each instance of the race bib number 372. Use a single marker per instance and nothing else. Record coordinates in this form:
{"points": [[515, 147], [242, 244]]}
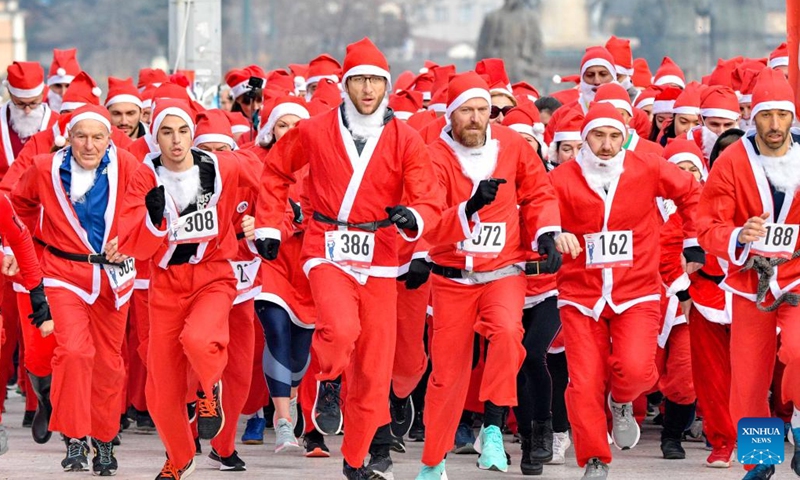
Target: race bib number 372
{"points": [[609, 249], [350, 248], [779, 242], [196, 227], [487, 243]]}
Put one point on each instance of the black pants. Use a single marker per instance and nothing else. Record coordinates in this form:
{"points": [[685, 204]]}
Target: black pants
{"points": [[534, 384], [557, 364]]}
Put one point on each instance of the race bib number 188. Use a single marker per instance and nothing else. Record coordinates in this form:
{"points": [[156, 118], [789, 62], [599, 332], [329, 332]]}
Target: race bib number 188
{"points": [[609, 249], [196, 227], [350, 248], [779, 242]]}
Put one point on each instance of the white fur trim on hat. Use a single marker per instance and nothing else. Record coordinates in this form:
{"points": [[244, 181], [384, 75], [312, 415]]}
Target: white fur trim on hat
{"points": [[617, 103], [719, 112], [670, 79], [214, 138], [623, 71], [686, 110], [465, 96], [239, 129], [504, 91], [426, 95], [522, 128], [264, 136], [745, 98], [368, 70], [148, 103], [567, 136], [60, 78], [690, 157], [88, 116], [773, 105], [239, 89], [779, 62], [317, 78], [598, 62], [437, 107], [96, 91], [21, 93], [645, 102], [663, 106], [178, 112], [124, 98], [603, 122], [403, 115], [68, 106]]}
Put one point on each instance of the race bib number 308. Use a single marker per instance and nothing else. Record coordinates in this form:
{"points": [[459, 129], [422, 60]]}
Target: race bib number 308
{"points": [[487, 243], [350, 248], [122, 276], [196, 227], [609, 249], [779, 242]]}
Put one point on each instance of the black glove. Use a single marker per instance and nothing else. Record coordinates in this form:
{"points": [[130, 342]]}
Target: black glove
{"points": [[268, 248], [41, 310], [298, 212], [418, 272], [547, 248], [694, 255], [683, 295], [155, 201], [402, 217], [484, 195]]}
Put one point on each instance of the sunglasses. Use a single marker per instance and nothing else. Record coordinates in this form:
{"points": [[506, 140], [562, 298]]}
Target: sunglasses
{"points": [[496, 111]]}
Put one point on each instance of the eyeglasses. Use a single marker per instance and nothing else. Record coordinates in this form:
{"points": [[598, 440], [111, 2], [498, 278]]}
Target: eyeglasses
{"points": [[26, 105], [496, 111], [360, 80]]}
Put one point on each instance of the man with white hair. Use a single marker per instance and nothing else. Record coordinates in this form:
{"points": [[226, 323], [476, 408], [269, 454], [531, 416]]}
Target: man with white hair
{"points": [[609, 290], [79, 190], [748, 217]]}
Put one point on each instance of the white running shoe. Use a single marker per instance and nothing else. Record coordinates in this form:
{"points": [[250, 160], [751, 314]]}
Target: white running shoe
{"points": [[284, 435], [625, 431], [561, 443]]}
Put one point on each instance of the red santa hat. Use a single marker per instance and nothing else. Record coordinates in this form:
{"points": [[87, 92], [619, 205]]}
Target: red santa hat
{"points": [[364, 58], [772, 92], [404, 81], [90, 112], [616, 95], [274, 110], [602, 115], [299, 73], [568, 128], [620, 49], [723, 72], [642, 76], [213, 126], [405, 103], [323, 66], [327, 93], [665, 100], [170, 106], [438, 102], [239, 123], [423, 83], [524, 90], [495, 69], [647, 97], [60, 129], [441, 76], [83, 90], [463, 88], [64, 66], [258, 72], [238, 79], [688, 102], [779, 57], [151, 76], [749, 79], [427, 66], [719, 101], [171, 90], [669, 72], [25, 79], [122, 91], [598, 56], [681, 150], [524, 118], [147, 96], [280, 81]]}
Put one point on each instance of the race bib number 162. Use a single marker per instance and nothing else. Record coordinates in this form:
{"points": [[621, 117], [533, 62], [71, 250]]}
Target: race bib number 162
{"points": [[609, 249]]}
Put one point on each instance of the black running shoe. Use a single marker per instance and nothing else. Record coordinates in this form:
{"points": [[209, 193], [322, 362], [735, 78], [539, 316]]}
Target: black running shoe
{"points": [[315, 445], [171, 472], [402, 412], [27, 418], [417, 432], [227, 464], [77, 455], [327, 412], [379, 467], [104, 464], [351, 473], [398, 444], [210, 417], [144, 423], [198, 449]]}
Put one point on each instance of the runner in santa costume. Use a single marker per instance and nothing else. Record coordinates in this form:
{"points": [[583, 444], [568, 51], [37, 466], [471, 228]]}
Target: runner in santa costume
{"points": [[748, 217], [617, 96], [124, 102], [719, 111], [63, 70], [609, 291], [478, 258], [361, 161], [178, 213], [779, 59], [80, 190]]}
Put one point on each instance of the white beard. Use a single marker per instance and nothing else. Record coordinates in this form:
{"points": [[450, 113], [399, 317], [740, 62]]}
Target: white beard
{"points": [[24, 124], [477, 163], [54, 100], [709, 139], [783, 172], [627, 84], [587, 93], [745, 124], [183, 187], [81, 181], [599, 174], [364, 127]]}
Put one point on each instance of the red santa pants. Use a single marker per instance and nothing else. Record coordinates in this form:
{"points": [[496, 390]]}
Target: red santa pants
{"points": [[630, 367], [237, 374], [355, 335], [87, 363], [410, 360], [494, 311], [190, 304], [138, 339], [258, 397], [38, 349], [711, 369], [11, 328], [674, 364]]}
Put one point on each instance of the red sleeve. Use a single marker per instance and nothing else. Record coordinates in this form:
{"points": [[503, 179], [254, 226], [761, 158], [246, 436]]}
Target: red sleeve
{"points": [[25, 196], [17, 169], [17, 237], [717, 232], [536, 197], [670, 267], [138, 237], [682, 188], [453, 225], [419, 187]]}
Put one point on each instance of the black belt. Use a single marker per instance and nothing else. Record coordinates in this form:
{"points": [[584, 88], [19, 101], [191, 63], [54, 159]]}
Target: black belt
{"points": [[367, 226], [95, 258], [535, 268], [531, 269], [714, 278]]}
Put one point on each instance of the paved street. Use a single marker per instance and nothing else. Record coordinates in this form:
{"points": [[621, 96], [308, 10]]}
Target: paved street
{"points": [[141, 456]]}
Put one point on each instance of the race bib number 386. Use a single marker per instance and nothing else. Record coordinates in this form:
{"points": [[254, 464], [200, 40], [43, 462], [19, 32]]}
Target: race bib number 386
{"points": [[609, 249], [779, 242], [350, 248], [196, 227]]}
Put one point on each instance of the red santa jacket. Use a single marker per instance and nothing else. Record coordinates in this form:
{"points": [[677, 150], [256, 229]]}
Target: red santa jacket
{"points": [[642, 145], [7, 156], [41, 188], [528, 187], [17, 241], [737, 189], [628, 205], [349, 187]]}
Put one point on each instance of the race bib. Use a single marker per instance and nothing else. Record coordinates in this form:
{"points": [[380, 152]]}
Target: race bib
{"points": [[488, 243], [779, 242], [196, 227], [246, 273], [350, 248], [609, 249], [121, 277]]}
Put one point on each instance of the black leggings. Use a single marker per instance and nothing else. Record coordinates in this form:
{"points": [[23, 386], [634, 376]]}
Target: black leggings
{"points": [[534, 384], [557, 364]]}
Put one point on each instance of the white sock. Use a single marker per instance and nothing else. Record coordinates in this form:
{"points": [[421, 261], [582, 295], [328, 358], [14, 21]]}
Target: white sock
{"points": [[796, 418]]}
